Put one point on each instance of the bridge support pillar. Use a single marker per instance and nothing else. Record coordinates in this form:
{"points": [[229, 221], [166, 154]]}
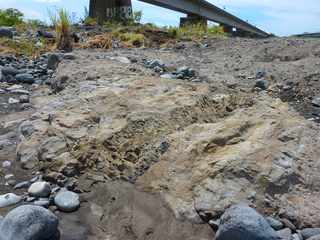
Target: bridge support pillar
{"points": [[193, 19], [110, 10]]}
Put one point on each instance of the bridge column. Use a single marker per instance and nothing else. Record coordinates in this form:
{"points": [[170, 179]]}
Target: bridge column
{"points": [[106, 10], [193, 19]]}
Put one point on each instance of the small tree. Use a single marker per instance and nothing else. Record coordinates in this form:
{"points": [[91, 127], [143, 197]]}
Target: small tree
{"points": [[10, 17]]}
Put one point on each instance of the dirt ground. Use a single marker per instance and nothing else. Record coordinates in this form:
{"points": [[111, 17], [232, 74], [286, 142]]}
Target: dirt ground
{"points": [[149, 149]]}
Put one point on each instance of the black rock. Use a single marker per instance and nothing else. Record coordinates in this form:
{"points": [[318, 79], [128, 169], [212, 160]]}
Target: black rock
{"points": [[6, 32], [45, 34], [262, 84], [240, 222], [53, 61], [25, 78]]}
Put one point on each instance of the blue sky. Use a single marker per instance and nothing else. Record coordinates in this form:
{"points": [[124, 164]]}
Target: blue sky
{"points": [[282, 17]]}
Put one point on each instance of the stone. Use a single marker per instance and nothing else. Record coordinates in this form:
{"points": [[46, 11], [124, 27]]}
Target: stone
{"points": [[9, 71], [42, 202], [6, 164], [288, 224], [8, 176], [310, 232], [274, 223], [25, 78], [40, 189], [24, 99], [155, 63], [45, 34], [6, 32], [296, 236], [317, 237], [53, 61], [185, 72], [9, 199], [13, 101], [51, 148], [316, 101], [240, 222], [25, 184], [67, 201], [262, 84], [285, 234], [121, 59], [29, 222], [168, 76], [69, 56]]}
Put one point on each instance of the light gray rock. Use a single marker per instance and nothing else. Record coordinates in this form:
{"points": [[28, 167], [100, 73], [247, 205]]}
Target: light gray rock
{"points": [[310, 232], [316, 101], [168, 76], [240, 222], [274, 223], [67, 201], [29, 223], [42, 202], [6, 164], [24, 99], [40, 189], [9, 199]]}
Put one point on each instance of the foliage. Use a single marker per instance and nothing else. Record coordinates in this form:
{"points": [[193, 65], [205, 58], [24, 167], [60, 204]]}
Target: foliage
{"points": [[135, 18], [132, 39], [195, 31], [89, 21], [10, 17], [25, 47], [62, 23]]}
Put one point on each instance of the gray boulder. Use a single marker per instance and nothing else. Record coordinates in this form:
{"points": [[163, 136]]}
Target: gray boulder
{"points": [[29, 223], [6, 32], [240, 222], [310, 232], [9, 71], [285, 234], [67, 201], [40, 189]]}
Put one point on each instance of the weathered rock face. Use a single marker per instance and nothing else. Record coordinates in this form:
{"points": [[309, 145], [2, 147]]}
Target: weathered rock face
{"points": [[202, 146]]}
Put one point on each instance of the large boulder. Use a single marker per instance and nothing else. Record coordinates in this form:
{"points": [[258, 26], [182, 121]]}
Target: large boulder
{"points": [[240, 222], [29, 223]]}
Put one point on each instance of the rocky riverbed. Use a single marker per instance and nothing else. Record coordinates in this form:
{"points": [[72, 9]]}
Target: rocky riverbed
{"points": [[159, 143]]}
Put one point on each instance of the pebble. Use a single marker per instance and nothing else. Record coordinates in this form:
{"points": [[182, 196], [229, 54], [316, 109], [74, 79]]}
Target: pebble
{"points": [[43, 202], [6, 164], [53, 61], [24, 99], [168, 76], [13, 101], [25, 184], [9, 199], [67, 201], [262, 84], [29, 222], [8, 176], [40, 189]]}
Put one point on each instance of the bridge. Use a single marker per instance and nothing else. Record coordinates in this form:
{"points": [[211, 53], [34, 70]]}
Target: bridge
{"points": [[196, 10]]}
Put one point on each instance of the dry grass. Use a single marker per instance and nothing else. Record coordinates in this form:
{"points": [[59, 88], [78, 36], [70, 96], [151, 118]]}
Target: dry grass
{"points": [[24, 47]]}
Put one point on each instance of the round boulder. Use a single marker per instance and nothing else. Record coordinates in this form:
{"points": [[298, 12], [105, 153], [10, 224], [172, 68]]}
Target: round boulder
{"points": [[240, 222], [67, 201], [29, 223], [40, 189]]}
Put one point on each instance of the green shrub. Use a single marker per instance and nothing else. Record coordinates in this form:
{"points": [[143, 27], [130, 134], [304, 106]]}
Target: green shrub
{"points": [[62, 23], [10, 17]]}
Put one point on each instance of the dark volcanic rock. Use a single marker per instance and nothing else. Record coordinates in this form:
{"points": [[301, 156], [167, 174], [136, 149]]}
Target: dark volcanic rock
{"points": [[240, 222], [6, 32], [25, 78]]}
